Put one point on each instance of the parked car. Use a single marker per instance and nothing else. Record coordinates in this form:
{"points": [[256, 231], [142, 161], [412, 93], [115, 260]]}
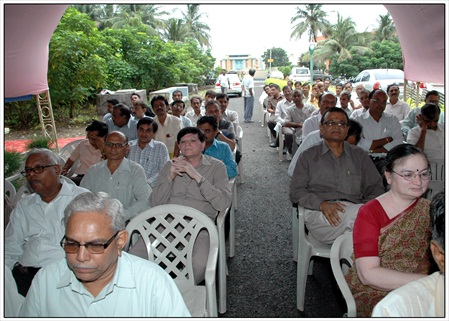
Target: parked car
{"points": [[236, 85], [301, 74], [379, 78], [277, 74]]}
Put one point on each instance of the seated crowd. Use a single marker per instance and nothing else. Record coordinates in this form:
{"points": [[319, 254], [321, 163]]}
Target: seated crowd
{"points": [[359, 165]]}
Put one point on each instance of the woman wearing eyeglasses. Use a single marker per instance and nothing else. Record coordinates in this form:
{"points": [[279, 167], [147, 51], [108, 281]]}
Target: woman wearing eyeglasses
{"points": [[391, 232]]}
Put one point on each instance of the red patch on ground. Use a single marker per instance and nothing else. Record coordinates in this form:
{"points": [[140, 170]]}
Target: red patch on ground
{"points": [[20, 146]]}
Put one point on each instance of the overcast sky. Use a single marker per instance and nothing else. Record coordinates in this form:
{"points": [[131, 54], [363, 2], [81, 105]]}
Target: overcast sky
{"points": [[251, 28]]}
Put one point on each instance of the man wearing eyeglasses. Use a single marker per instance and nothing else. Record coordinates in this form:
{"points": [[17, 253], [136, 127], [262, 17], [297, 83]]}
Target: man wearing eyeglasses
{"points": [[121, 178], [35, 226], [97, 278], [333, 179]]}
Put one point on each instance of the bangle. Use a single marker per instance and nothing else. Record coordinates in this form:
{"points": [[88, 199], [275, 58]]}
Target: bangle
{"points": [[202, 180]]}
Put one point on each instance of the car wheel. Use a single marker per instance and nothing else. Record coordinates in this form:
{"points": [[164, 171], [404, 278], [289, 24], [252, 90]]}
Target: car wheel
{"points": [[240, 95]]}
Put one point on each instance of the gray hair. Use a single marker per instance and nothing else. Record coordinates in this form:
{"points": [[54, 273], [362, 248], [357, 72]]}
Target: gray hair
{"points": [[51, 156], [98, 202]]}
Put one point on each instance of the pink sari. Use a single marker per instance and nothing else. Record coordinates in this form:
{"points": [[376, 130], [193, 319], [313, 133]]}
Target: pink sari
{"points": [[403, 246]]}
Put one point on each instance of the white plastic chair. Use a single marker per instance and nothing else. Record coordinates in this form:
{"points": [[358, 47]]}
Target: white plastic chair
{"points": [[222, 267], [233, 184], [341, 261], [240, 165], [436, 184], [308, 247], [10, 190], [65, 153], [169, 233], [67, 150]]}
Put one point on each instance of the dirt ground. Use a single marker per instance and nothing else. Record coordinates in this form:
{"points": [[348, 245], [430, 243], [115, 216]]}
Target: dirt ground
{"points": [[62, 131]]}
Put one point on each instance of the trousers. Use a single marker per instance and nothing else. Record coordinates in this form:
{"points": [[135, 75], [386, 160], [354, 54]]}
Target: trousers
{"points": [[248, 108]]}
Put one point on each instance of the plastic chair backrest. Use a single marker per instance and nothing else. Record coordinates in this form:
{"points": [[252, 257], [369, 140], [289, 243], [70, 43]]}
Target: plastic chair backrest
{"points": [[341, 261], [67, 150], [169, 232]]}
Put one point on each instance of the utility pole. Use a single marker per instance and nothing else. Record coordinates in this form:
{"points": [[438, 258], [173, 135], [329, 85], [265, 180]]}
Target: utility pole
{"points": [[311, 50]]}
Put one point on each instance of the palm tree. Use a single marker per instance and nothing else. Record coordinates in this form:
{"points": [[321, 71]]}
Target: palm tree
{"points": [[386, 29], [138, 14], [342, 37], [195, 28], [175, 30], [312, 20]]}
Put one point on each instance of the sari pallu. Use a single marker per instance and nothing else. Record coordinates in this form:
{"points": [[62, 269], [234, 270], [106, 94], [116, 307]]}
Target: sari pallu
{"points": [[403, 246]]}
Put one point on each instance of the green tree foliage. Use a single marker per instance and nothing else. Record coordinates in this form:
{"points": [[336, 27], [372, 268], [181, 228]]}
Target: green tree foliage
{"points": [[312, 19], [278, 55], [385, 54], [77, 60]]}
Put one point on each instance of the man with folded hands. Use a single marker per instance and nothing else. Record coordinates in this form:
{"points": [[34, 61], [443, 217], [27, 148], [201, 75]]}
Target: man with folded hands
{"points": [[333, 179]]}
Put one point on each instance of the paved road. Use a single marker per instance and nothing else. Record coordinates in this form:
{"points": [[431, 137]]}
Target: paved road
{"points": [[262, 275]]}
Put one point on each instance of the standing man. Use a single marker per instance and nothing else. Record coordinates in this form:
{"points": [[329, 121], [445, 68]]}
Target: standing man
{"points": [[149, 153], [248, 94], [35, 227], [333, 179], [224, 82], [121, 178], [395, 106], [96, 278]]}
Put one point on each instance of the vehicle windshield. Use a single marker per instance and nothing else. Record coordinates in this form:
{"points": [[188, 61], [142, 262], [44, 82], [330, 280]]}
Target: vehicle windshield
{"points": [[302, 71], [389, 74]]}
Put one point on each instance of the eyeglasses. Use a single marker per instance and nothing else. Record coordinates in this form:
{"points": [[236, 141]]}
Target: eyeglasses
{"points": [[410, 176], [36, 169], [116, 145], [331, 123], [73, 247]]}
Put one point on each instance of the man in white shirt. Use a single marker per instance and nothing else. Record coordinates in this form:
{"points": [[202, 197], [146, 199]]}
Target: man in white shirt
{"points": [[35, 227], [248, 96], [97, 278], [223, 80], [168, 125], [325, 101], [197, 112], [227, 114], [429, 134], [395, 106], [345, 98], [364, 101], [423, 297]]}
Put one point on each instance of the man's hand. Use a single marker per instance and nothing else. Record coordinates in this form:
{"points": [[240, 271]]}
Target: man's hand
{"points": [[180, 166], [421, 122], [330, 210]]}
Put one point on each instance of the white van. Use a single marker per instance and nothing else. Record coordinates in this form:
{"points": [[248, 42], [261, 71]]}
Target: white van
{"points": [[301, 74]]}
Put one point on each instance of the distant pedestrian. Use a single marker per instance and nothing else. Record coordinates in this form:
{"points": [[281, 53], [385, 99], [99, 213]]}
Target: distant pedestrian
{"points": [[223, 80], [248, 90]]}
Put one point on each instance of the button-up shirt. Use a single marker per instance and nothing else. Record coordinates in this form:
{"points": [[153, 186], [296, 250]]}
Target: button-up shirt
{"points": [[139, 288], [35, 228], [222, 151], [128, 184], [151, 158], [167, 133], [320, 176], [130, 129]]}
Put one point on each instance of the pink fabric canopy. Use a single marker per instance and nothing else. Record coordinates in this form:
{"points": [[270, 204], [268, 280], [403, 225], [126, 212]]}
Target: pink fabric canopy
{"points": [[420, 29], [28, 29]]}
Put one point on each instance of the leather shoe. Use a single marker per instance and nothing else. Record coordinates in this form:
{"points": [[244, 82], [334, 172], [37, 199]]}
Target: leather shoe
{"points": [[274, 145]]}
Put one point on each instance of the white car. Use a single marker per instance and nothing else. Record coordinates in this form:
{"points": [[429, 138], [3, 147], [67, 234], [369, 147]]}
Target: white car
{"points": [[379, 78], [277, 74], [236, 85], [301, 74]]}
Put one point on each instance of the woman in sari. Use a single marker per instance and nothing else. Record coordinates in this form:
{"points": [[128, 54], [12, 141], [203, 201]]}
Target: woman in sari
{"points": [[391, 232]]}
